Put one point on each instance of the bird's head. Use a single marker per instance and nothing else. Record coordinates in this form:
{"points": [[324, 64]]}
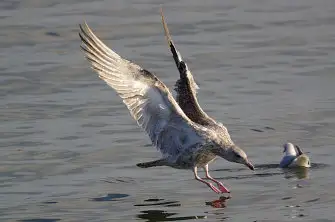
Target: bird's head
{"points": [[235, 154]]}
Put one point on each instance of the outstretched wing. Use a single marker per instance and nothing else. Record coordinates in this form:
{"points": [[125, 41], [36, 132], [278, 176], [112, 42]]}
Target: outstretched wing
{"points": [[186, 89], [147, 98], [185, 86]]}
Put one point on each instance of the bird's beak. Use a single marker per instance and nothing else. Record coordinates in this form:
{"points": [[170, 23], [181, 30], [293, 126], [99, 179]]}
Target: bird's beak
{"points": [[251, 167]]}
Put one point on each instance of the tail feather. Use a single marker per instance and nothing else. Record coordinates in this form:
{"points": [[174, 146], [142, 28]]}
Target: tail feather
{"points": [[160, 162]]}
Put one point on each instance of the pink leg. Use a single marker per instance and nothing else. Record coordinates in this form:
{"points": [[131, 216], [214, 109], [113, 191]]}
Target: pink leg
{"points": [[222, 188], [216, 190]]}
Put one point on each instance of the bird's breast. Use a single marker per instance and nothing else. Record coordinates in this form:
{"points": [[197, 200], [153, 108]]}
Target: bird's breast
{"points": [[203, 158]]}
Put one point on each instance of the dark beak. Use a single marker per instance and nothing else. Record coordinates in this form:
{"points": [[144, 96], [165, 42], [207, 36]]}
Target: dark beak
{"points": [[251, 167]]}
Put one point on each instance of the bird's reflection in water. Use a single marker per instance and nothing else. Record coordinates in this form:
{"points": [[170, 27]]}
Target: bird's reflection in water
{"points": [[302, 172], [289, 173], [162, 215], [298, 172], [219, 203]]}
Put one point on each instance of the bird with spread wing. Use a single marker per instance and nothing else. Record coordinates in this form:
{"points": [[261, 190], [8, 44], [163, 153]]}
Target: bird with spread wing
{"points": [[184, 141], [186, 89]]}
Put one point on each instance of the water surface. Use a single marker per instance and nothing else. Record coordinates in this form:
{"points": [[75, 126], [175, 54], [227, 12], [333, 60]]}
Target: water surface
{"points": [[69, 148]]}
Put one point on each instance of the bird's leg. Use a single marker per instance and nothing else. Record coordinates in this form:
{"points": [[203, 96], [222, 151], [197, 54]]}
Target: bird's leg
{"points": [[222, 188], [216, 190]]}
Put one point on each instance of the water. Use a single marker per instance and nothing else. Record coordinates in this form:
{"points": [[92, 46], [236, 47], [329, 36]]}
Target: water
{"points": [[69, 147]]}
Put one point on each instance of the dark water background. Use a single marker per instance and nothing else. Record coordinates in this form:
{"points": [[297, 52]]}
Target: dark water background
{"points": [[265, 69]]}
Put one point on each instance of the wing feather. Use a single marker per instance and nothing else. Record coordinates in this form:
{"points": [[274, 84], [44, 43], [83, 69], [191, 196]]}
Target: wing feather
{"points": [[149, 101], [186, 89], [286, 161], [185, 86]]}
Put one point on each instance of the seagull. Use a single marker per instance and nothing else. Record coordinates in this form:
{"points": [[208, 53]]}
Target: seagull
{"points": [[183, 143], [186, 89], [294, 157]]}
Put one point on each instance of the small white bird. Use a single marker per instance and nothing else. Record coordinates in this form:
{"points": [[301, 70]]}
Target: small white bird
{"points": [[294, 157]]}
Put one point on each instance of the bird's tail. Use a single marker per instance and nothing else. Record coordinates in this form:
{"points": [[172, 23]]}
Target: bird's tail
{"points": [[160, 162]]}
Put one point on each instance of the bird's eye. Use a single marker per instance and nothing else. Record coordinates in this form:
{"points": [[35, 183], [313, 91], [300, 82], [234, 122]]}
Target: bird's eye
{"points": [[238, 155]]}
